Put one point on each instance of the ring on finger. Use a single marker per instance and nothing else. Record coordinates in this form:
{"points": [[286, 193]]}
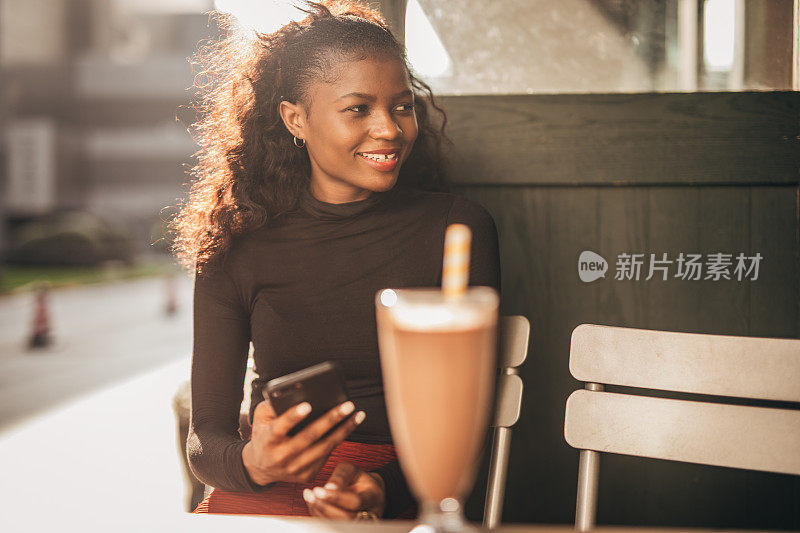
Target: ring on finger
{"points": [[366, 516]]}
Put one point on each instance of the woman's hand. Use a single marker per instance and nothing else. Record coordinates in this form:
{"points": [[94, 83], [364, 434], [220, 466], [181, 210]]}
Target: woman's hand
{"points": [[271, 455], [348, 491]]}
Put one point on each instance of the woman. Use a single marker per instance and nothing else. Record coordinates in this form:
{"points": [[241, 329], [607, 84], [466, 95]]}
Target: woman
{"points": [[314, 190]]}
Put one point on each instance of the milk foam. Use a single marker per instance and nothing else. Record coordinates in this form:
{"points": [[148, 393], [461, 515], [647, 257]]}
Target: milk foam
{"points": [[440, 317]]}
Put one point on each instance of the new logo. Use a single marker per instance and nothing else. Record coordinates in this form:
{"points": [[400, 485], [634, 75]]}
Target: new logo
{"points": [[591, 266]]}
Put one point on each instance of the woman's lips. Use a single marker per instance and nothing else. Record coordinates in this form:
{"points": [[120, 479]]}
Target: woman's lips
{"points": [[379, 161]]}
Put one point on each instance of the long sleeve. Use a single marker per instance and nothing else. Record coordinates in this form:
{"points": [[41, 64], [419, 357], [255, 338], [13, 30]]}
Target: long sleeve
{"points": [[398, 495], [484, 271], [219, 358]]}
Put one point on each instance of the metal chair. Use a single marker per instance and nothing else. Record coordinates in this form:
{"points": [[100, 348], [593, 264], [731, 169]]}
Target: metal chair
{"points": [[737, 436], [514, 334]]}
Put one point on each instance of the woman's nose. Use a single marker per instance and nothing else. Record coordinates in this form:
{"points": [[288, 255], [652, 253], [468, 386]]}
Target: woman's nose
{"points": [[385, 127]]}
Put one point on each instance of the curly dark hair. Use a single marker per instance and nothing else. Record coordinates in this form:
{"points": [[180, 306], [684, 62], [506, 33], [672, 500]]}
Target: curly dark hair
{"points": [[248, 171]]}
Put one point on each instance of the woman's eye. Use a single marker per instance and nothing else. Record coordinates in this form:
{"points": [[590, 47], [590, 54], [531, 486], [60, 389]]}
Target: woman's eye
{"points": [[364, 108]]}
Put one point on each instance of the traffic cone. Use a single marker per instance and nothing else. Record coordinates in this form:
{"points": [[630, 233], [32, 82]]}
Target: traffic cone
{"points": [[40, 336], [171, 290]]}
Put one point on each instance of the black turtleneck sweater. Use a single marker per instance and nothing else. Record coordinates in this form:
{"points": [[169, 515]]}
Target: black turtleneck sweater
{"points": [[302, 289]]}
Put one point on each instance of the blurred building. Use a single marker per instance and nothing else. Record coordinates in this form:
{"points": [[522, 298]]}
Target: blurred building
{"points": [[90, 91], [600, 46]]}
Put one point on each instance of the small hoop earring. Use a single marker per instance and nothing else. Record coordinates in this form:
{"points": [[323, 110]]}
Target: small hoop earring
{"points": [[299, 144]]}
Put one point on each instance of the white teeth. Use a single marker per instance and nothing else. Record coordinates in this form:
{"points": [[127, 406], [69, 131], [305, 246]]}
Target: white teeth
{"points": [[379, 157]]}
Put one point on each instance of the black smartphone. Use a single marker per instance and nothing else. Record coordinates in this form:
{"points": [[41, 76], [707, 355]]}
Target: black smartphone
{"points": [[320, 385]]}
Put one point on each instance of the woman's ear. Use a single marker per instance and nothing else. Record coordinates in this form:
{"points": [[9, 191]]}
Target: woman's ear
{"points": [[293, 116]]}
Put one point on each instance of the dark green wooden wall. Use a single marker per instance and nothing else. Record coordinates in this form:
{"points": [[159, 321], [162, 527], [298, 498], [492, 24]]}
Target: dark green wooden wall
{"points": [[644, 173]]}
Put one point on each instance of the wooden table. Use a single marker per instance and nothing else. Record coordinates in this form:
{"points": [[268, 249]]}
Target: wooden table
{"points": [[250, 524], [98, 519]]}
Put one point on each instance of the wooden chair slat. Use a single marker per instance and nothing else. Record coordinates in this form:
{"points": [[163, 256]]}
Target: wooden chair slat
{"points": [[755, 438], [746, 367]]}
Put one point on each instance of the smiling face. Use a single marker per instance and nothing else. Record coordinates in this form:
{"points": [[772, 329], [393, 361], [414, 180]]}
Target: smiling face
{"points": [[358, 130]]}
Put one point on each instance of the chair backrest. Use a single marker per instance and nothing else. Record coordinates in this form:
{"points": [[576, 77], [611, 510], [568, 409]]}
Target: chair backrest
{"points": [[755, 438], [513, 337], [720, 365]]}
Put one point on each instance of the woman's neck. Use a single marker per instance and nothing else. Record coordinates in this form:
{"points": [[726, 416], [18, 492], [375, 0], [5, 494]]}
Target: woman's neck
{"points": [[337, 194]]}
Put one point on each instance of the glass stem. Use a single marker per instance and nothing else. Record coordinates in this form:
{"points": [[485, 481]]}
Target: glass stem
{"points": [[444, 516]]}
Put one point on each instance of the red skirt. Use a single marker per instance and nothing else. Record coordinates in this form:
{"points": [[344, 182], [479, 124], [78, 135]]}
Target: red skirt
{"points": [[284, 498]]}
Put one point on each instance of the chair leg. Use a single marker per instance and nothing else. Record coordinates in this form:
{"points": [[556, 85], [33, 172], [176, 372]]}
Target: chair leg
{"points": [[588, 472], [495, 490]]}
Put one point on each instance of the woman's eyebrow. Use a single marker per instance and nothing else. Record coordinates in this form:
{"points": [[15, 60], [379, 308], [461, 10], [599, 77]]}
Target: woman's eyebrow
{"points": [[372, 98]]}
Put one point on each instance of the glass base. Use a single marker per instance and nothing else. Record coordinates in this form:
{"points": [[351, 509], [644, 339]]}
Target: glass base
{"points": [[446, 516]]}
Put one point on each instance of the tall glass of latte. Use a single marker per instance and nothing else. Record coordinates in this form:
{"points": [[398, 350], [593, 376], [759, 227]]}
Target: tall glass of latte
{"points": [[438, 362]]}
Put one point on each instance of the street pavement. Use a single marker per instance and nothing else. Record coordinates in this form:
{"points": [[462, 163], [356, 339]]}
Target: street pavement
{"points": [[102, 334], [86, 427]]}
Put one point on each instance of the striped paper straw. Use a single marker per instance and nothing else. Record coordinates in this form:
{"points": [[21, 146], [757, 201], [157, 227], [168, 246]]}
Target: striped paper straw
{"points": [[455, 269]]}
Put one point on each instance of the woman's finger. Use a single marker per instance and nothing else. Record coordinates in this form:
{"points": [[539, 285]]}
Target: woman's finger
{"points": [[324, 447], [342, 476], [309, 473], [263, 413], [284, 423], [320, 426], [341, 433], [312, 510], [344, 499], [320, 507], [309, 498]]}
